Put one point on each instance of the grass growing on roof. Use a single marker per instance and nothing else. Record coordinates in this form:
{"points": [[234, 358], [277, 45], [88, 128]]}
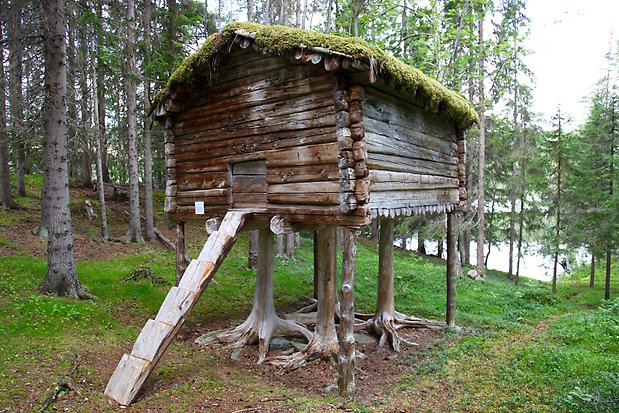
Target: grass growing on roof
{"points": [[280, 40]]}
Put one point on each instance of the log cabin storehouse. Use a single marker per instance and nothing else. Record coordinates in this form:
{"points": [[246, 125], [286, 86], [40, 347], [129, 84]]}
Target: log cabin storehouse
{"points": [[269, 122]]}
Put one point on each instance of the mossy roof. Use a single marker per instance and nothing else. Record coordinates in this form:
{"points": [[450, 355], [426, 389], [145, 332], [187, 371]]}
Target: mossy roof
{"points": [[282, 40]]}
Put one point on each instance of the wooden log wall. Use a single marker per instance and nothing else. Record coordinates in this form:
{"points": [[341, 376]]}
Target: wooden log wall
{"points": [[274, 110], [352, 153], [412, 156]]}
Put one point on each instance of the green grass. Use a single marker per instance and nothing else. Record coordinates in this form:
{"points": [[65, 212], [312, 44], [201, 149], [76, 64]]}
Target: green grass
{"points": [[522, 349]]}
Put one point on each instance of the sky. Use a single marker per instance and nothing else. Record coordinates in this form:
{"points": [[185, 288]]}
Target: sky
{"points": [[569, 39]]}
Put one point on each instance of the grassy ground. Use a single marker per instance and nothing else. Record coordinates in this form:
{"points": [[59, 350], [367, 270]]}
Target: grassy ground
{"points": [[521, 349]]}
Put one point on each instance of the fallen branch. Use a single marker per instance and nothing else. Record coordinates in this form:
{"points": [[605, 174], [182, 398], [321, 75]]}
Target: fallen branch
{"points": [[65, 382], [142, 272], [169, 244]]}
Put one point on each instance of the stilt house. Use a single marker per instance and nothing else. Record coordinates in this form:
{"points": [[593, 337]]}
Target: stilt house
{"points": [[314, 127], [269, 122]]}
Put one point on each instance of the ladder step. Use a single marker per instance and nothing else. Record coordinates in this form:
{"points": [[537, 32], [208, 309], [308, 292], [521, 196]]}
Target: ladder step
{"points": [[151, 339], [175, 305]]}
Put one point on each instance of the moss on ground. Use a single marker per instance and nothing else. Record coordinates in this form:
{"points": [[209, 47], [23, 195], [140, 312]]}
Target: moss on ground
{"points": [[280, 40]]}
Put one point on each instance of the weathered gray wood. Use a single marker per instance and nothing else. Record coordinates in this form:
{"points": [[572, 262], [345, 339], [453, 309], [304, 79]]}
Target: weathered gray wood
{"points": [[212, 225], [384, 162], [175, 305], [157, 334], [152, 335], [392, 145], [346, 359], [400, 181], [398, 199], [127, 379], [201, 193], [400, 111]]}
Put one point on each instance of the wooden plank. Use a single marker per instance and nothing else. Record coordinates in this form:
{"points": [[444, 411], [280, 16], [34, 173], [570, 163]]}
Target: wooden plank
{"points": [[305, 199], [147, 344], [127, 379], [247, 95], [303, 173], [202, 193], [192, 275], [175, 305], [405, 177], [391, 145], [306, 155], [268, 113], [206, 180], [208, 201], [384, 162], [257, 167], [305, 187], [201, 149], [249, 184], [305, 126], [250, 199], [409, 137], [400, 111]]}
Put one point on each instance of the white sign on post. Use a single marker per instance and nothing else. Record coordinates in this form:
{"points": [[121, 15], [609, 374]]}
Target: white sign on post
{"points": [[199, 206]]}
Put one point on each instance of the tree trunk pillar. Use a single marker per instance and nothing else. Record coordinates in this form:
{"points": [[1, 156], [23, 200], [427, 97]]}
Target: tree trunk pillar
{"points": [[385, 302], [346, 360], [451, 269], [180, 251]]}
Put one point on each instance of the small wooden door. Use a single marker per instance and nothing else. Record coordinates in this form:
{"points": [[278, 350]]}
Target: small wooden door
{"points": [[249, 183]]}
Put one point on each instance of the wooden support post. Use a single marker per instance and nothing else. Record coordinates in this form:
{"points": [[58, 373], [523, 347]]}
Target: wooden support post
{"points": [[346, 360], [317, 265], [451, 269], [385, 302], [180, 251]]}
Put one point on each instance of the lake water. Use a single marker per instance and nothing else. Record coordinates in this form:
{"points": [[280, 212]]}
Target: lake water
{"points": [[532, 264]]}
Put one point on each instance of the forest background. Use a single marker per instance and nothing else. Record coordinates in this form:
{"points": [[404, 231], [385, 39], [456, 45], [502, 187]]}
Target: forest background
{"points": [[553, 188], [532, 181]]}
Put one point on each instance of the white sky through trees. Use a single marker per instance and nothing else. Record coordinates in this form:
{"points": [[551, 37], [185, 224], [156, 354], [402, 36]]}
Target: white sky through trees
{"points": [[569, 40]]}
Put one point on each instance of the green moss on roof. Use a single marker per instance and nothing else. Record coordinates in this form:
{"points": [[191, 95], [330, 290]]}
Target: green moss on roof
{"points": [[281, 40]]}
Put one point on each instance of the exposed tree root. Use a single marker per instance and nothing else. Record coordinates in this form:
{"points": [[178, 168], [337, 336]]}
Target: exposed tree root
{"points": [[324, 344], [263, 322], [256, 330], [324, 347], [387, 324]]}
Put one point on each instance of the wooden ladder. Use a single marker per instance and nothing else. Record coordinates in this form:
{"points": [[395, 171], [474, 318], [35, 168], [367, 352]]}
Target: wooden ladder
{"points": [[157, 334]]}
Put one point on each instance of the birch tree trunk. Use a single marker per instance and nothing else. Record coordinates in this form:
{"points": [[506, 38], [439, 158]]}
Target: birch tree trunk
{"points": [[134, 232], [61, 277]]}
